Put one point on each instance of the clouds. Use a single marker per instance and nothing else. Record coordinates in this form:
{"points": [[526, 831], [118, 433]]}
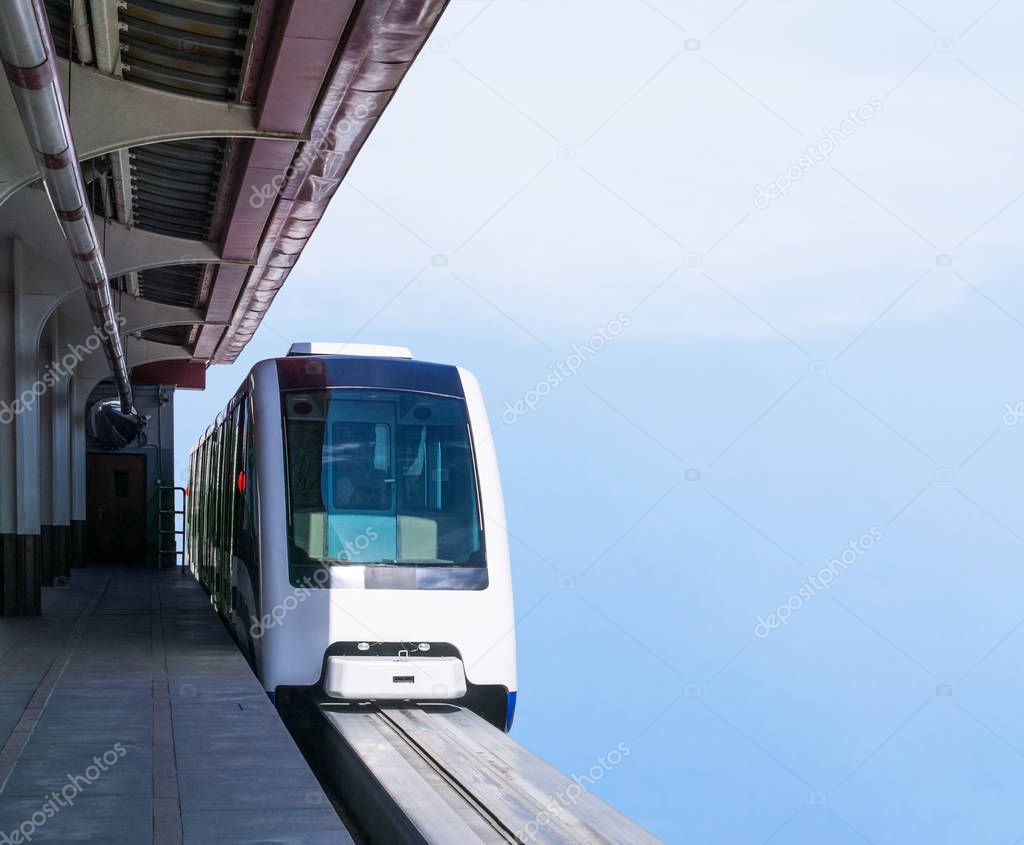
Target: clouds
{"points": [[565, 158], [790, 375]]}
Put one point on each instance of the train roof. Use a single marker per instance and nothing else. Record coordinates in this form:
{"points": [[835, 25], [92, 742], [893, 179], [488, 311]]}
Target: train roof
{"points": [[328, 351], [358, 350]]}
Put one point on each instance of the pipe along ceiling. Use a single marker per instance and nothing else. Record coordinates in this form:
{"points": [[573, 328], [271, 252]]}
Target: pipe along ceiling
{"points": [[29, 59]]}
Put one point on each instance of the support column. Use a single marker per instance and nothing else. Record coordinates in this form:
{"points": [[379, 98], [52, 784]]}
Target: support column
{"points": [[22, 320], [9, 603], [47, 561], [62, 482], [30, 312], [81, 387], [59, 424]]}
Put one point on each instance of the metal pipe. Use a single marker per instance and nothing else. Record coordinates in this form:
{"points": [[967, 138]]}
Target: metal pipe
{"points": [[29, 59]]}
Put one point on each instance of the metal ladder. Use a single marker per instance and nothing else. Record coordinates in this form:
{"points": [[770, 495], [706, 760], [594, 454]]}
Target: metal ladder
{"points": [[172, 513]]}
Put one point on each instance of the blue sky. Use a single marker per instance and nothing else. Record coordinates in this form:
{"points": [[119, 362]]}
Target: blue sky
{"points": [[846, 360]]}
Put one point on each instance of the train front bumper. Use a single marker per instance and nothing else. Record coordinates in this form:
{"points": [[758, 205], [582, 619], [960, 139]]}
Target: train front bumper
{"points": [[383, 678]]}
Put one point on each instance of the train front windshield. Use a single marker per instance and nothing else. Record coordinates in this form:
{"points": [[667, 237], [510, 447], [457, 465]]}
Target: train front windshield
{"points": [[379, 477]]}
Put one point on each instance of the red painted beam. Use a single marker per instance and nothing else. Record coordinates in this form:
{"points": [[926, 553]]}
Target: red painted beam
{"points": [[294, 46], [327, 71], [308, 33], [182, 373], [261, 173]]}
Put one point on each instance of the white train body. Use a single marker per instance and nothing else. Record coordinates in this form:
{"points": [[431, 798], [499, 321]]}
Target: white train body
{"points": [[347, 519]]}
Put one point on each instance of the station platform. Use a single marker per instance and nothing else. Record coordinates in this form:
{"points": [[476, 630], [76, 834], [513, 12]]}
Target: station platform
{"points": [[128, 715]]}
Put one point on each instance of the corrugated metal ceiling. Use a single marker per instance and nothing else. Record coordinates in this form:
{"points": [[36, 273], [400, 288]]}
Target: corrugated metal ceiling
{"points": [[191, 47]]}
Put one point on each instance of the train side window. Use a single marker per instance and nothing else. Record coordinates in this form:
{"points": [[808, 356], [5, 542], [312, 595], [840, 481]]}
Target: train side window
{"points": [[245, 540], [226, 486], [198, 493], [218, 499], [240, 473]]}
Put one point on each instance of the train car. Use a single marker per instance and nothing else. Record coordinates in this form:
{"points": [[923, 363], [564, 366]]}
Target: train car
{"points": [[346, 518]]}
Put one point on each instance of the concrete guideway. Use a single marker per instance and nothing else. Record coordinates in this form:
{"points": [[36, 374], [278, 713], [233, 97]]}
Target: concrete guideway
{"points": [[132, 667], [437, 774]]}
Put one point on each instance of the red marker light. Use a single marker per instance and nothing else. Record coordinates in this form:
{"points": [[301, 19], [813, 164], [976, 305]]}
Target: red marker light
{"points": [[241, 482]]}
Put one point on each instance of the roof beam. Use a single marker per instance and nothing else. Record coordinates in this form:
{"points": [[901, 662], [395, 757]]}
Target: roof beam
{"points": [[206, 344], [141, 315], [306, 39], [138, 352], [121, 173], [106, 36], [184, 375], [134, 315], [110, 114], [379, 45], [29, 218]]}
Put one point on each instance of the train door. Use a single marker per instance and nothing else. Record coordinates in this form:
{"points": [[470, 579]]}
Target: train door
{"points": [[115, 508]]}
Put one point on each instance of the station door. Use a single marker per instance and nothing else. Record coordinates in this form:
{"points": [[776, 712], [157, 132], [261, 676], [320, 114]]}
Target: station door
{"points": [[115, 508]]}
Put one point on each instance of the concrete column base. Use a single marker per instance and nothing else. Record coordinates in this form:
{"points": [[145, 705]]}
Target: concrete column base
{"points": [[47, 563], [20, 574], [78, 542], [62, 551], [8, 575]]}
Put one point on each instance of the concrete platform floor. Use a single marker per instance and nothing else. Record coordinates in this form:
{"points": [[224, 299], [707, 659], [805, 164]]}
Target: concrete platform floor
{"points": [[128, 715]]}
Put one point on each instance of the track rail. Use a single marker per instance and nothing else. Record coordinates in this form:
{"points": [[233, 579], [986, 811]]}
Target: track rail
{"points": [[440, 774], [505, 833]]}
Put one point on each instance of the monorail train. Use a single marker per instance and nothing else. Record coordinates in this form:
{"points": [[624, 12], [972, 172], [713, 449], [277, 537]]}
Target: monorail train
{"points": [[346, 518]]}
